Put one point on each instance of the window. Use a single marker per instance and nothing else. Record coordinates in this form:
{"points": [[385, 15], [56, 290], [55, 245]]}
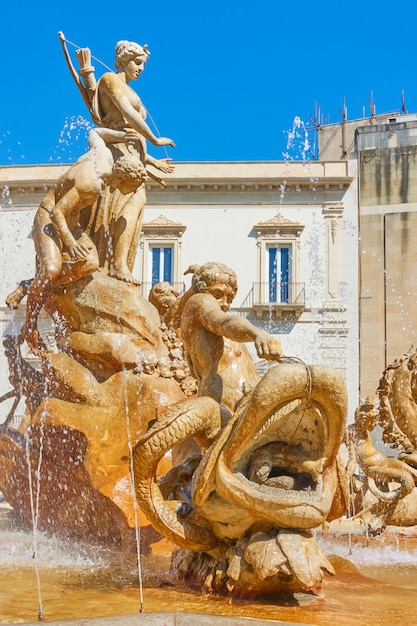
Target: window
{"points": [[278, 288], [279, 273], [160, 254], [161, 264]]}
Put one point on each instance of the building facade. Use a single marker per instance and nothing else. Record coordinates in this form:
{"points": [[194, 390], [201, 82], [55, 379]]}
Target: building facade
{"points": [[387, 182], [289, 230]]}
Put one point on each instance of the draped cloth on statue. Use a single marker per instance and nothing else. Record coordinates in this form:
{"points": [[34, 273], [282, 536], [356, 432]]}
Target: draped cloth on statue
{"points": [[107, 217]]}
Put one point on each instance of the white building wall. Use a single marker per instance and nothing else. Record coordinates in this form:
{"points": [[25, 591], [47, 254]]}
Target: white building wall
{"points": [[18, 261], [220, 205], [351, 287], [223, 231]]}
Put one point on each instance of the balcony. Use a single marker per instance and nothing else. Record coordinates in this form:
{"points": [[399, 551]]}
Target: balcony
{"points": [[276, 299]]}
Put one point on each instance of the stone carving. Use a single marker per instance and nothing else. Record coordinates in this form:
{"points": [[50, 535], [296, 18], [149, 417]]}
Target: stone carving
{"points": [[115, 220], [388, 484], [106, 184], [242, 509], [169, 303], [254, 462], [105, 380], [381, 472], [64, 252], [397, 393], [91, 403]]}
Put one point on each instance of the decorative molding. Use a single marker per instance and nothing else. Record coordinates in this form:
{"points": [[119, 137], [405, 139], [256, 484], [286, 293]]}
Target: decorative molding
{"points": [[338, 331], [159, 235], [278, 226], [333, 209], [274, 310], [163, 227], [278, 230], [333, 213], [201, 182]]}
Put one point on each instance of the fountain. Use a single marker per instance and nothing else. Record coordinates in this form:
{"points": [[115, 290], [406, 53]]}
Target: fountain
{"points": [[141, 488]]}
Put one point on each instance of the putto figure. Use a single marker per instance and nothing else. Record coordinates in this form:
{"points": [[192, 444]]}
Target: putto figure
{"points": [[214, 339], [64, 251]]}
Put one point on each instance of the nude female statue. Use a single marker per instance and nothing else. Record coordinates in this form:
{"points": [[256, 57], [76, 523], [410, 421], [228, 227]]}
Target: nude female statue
{"points": [[109, 236], [116, 221]]}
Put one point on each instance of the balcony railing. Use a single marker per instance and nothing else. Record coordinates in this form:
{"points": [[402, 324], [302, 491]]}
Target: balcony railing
{"points": [[276, 297]]}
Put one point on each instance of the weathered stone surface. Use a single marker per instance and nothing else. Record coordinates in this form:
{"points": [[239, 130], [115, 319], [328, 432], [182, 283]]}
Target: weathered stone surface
{"points": [[97, 403], [388, 495], [224, 506]]}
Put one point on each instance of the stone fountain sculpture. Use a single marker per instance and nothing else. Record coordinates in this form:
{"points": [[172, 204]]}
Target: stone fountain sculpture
{"points": [[386, 491], [242, 507], [97, 392], [255, 463]]}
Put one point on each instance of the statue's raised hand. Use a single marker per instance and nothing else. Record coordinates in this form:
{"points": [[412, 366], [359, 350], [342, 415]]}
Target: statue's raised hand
{"points": [[165, 165]]}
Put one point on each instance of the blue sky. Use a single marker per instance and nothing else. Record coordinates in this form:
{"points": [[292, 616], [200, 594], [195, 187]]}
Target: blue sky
{"points": [[225, 78]]}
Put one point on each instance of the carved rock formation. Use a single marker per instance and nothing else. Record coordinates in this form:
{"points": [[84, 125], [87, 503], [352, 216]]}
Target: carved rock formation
{"points": [[94, 402]]}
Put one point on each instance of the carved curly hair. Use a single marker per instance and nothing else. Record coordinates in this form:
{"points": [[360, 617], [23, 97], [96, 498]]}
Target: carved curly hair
{"points": [[128, 170], [212, 273], [126, 50]]}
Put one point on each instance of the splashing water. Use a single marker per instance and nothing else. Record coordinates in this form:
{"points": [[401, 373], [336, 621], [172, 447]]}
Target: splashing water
{"points": [[376, 554], [16, 551], [282, 190], [298, 142], [298, 148], [10, 147], [5, 200], [72, 139]]}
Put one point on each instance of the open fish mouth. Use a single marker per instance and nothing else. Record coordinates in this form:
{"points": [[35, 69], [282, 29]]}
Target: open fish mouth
{"points": [[276, 460], [281, 466], [289, 449]]}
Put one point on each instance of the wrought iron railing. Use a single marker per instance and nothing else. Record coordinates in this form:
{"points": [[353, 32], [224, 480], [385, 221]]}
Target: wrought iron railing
{"points": [[275, 294]]}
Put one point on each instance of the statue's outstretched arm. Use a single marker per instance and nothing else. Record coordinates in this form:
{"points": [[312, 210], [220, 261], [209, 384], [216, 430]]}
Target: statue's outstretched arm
{"points": [[237, 329]]}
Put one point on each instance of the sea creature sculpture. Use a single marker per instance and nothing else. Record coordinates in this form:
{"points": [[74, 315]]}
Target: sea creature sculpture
{"points": [[244, 514], [388, 483]]}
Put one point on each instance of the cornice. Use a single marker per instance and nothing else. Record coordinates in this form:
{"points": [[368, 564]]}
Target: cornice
{"points": [[206, 182]]}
